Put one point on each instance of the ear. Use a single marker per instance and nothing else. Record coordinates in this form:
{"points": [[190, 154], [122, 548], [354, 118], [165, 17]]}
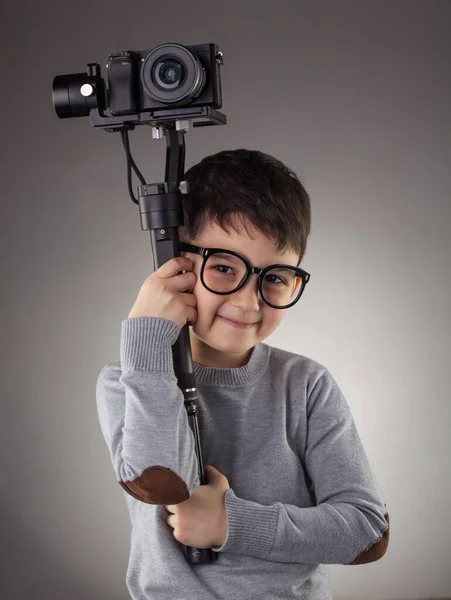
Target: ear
{"points": [[298, 283]]}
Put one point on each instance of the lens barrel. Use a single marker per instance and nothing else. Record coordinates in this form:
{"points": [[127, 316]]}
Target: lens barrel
{"points": [[172, 74]]}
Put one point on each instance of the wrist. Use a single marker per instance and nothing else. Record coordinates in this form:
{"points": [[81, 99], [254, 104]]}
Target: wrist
{"points": [[222, 533]]}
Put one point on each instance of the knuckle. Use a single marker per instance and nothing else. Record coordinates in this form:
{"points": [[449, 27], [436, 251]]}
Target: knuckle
{"points": [[148, 284], [182, 538]]}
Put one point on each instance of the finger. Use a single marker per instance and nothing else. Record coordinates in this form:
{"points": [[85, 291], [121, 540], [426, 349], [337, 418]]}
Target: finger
{"points": [[192, 316], [174, 266], [184, 282], [211, 473], [190, 300]]}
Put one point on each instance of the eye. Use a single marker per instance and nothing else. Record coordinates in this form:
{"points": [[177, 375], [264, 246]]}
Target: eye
{"points": [[273, 277], [219, 267]]}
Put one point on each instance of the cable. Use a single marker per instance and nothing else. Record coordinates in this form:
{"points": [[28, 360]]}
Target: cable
{"points": [[131, 164]]}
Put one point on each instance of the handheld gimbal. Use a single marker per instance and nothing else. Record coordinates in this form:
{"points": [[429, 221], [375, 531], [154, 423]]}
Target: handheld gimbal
{"points": [[141, 86]]}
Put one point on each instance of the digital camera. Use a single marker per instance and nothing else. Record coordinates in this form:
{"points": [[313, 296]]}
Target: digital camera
{"points": [[167, 75]]}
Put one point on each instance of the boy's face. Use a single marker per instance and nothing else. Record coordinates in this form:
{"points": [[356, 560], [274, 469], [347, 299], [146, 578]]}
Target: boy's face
{"points": [[214, 341]]}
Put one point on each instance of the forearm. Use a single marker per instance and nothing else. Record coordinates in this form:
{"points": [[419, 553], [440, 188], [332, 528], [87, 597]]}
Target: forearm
{"points": [[326, 534], [143, 417]]}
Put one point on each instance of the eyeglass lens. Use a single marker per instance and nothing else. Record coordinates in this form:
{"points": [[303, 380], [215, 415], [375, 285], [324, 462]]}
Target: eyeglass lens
{"points": [[224, 272]]}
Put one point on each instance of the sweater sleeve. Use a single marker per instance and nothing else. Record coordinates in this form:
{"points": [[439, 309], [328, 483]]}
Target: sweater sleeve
{"points": [[348, 525], [143, 418]]}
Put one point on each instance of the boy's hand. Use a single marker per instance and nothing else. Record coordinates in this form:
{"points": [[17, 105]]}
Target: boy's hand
{"points": [[167, 294], [201, 521]]}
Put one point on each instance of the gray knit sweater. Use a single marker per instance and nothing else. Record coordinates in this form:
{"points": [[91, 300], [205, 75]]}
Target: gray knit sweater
{"points": [[302, 493]]}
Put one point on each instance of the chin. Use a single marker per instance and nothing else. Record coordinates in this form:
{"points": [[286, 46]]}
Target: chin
{"points": [[233, 348], [227, 344]]}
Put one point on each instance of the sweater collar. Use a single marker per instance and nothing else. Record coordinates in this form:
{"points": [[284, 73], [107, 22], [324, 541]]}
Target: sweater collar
{"points": [[238, 375]]}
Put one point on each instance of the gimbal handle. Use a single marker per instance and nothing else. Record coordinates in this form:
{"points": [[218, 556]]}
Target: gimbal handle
{"points": [[161, 211]]}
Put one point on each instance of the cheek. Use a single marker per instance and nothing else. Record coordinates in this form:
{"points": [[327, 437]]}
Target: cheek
{"points": [[272, 317], [207, 303]]}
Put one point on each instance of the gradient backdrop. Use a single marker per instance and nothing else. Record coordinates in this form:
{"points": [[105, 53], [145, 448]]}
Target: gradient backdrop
{"points": [[355, 97]]}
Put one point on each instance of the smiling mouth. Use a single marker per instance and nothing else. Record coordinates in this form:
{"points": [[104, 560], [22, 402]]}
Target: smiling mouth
{"points": [[237, 323]]}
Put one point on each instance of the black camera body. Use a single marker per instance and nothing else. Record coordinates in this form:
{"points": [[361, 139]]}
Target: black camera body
{"points": [[169, 75]]}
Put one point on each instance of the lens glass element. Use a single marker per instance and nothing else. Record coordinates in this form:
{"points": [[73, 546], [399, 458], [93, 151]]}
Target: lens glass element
{"points": [[169, 74]]}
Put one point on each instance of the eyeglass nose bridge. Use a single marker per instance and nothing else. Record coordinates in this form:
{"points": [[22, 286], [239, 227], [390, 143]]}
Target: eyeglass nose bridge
{"points": [[251, 271]]}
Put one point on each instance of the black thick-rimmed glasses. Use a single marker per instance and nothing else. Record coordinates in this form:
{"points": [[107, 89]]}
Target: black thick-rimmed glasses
{"points": [[225, 272]]}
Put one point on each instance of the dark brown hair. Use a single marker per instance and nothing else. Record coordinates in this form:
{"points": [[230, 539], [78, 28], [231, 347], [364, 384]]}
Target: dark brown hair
{"points": [[250, 184]]}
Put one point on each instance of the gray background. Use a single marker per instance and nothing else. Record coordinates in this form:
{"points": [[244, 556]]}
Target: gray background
{"points": [[355, 97]]}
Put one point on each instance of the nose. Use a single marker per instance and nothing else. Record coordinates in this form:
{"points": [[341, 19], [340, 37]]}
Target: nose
{"points": [[248, 297]]}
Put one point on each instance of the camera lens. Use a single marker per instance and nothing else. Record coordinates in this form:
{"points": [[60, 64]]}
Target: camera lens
{"points": [[169, 74], [172, 74]]}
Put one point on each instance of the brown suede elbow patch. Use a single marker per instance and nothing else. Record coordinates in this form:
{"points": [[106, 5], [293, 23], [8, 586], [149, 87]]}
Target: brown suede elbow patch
{"points": [[157, 485], [377, 549]]}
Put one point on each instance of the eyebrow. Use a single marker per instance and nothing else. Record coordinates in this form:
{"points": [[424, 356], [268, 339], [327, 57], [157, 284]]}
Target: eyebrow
{"points": [[226, 253], [250, 262]]}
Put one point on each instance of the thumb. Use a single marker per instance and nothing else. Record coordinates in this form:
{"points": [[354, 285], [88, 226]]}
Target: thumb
{"points": [[213, 475]]}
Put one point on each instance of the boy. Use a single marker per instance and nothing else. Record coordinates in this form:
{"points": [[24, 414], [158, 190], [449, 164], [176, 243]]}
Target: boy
{"points": [[289, 485]]}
